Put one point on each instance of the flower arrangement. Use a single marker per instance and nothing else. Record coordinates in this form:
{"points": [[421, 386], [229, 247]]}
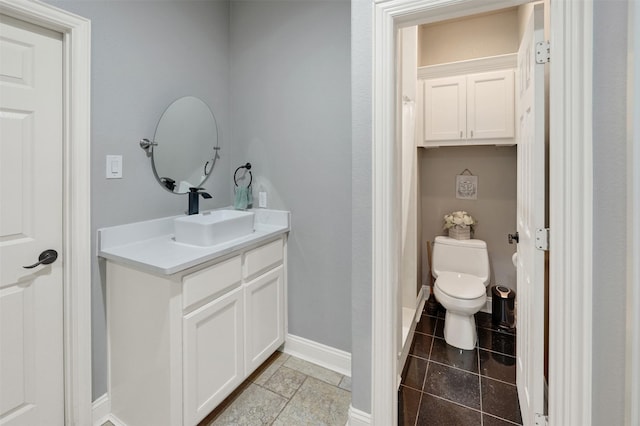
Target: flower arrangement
{"points": [[459, 220]]}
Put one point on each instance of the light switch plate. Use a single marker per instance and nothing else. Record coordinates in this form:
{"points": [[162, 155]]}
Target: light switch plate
{"points": [[114, 166]]}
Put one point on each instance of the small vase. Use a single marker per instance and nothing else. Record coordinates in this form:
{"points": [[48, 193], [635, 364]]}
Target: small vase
{"points": [[460, 233]]}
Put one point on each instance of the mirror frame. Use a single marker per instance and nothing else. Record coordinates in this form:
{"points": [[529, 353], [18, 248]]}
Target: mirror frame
{"points": [[149, 147]]}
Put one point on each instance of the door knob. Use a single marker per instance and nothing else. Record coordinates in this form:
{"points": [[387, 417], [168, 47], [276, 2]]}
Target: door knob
{"points": [[45, 258], [514, 237]]}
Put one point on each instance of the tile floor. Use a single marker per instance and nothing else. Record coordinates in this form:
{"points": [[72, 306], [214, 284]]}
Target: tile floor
{"points": [[443, 385], [286, 391]]}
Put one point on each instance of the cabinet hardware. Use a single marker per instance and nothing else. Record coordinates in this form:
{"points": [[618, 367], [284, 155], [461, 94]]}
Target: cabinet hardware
{"points": [[46, 257]]}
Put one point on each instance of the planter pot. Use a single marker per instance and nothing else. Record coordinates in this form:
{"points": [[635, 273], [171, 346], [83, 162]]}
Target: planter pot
{"points": [[460, 233]]}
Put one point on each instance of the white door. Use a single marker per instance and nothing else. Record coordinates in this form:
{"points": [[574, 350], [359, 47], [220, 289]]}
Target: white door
{"points": [[530, 216], [31, 300]]}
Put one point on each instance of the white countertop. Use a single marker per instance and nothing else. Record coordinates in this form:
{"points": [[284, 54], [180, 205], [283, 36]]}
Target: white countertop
{"points": [[150, 246]]}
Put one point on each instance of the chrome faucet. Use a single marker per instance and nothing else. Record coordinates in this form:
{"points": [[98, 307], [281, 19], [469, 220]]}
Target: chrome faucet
{"points": [[194, 198]]}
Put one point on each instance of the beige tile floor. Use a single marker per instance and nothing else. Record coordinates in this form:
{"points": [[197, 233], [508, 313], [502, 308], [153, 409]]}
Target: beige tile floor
{"points": [[285, 391]]}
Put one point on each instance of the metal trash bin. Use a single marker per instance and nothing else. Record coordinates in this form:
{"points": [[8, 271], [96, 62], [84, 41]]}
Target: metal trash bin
{"points": [[503, 306]]}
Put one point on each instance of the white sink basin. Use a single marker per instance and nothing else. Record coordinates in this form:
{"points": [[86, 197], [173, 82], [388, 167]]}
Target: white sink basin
{"points": [[211, 228]]}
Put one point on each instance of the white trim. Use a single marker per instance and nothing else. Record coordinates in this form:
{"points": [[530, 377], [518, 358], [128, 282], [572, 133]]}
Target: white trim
{"points": [[358, 418], [101, 410], [571, 218], [76, 203], [115, 421], [384, 406], [632, 391], [319, 354], [491, 63], [406, 343], [571, 197]]}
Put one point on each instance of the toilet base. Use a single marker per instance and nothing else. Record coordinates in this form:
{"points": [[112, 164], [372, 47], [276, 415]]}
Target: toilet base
{"points": [[460, 330]]}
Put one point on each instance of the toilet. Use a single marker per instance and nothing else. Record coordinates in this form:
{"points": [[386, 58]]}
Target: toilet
{"points": [[461, 270]]}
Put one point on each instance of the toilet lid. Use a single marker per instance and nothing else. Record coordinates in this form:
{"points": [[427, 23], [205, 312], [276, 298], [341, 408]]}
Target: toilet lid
{"points": [[461, 286]]}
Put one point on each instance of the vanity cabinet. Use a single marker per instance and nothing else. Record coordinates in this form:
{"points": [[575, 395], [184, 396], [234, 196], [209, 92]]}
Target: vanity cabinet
{"points": [[264, 302], [469, 109], [213, 347], [180, 344]]}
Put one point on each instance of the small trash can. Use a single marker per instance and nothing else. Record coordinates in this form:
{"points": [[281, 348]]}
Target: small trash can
{"points": [[503, 306]]}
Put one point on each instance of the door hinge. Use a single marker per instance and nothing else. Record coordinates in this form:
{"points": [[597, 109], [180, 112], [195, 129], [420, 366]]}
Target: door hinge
{"points": [[542, 239], [541, 420], [543, 52]]}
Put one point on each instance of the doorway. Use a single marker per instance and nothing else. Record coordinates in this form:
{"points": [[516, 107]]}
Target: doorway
{"points": [[477, 78], [571, 247]]}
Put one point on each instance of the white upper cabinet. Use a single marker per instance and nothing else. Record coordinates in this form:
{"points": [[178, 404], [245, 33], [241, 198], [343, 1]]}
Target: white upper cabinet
{"points": [[490, 105], [445, 109], [470, 109]]}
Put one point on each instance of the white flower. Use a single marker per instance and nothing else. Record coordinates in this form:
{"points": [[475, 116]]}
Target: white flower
{"points": [[459, 219]]}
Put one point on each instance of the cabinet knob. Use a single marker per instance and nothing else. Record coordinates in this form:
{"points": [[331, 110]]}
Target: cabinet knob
{"points": [[472, 133], [460, 134]]}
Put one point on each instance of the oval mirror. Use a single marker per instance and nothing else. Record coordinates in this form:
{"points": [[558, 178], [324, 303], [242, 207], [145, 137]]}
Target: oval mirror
{"points": [[185, 145]]}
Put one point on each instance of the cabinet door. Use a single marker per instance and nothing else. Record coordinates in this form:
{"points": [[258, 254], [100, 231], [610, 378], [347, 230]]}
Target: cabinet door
{"points": [[264, 301], [490, 105], [445, 109], [212, 355]]}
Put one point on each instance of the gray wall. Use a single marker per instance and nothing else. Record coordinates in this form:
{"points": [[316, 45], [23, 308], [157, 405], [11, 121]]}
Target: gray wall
{"points": [[609, 214], [142, 49], [277, 76], [290, 113], [145, 55], [495, 208], [361, 203]]}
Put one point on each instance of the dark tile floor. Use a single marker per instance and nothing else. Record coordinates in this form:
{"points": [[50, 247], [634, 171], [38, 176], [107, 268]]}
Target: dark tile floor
{"points": [[444, 385]]}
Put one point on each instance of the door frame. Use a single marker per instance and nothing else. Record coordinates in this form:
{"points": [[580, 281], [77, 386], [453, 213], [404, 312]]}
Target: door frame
{"points": [[76, 45], [571, 183]]}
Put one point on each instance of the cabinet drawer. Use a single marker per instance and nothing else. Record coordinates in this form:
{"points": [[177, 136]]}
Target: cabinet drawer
{"points": [[211, 281], [262, 258]]}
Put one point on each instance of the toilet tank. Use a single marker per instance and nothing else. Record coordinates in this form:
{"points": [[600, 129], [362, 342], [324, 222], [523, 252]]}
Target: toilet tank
{"points": [[464, 256]]}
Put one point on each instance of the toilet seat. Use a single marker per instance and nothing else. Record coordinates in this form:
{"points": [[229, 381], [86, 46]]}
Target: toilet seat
{"points": [[460, 286]]}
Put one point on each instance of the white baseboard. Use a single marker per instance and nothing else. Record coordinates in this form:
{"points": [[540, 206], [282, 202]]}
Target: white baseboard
{"points": [[308, 350], [116, 421], [100, 410], [358, 418], [317, 353]]}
